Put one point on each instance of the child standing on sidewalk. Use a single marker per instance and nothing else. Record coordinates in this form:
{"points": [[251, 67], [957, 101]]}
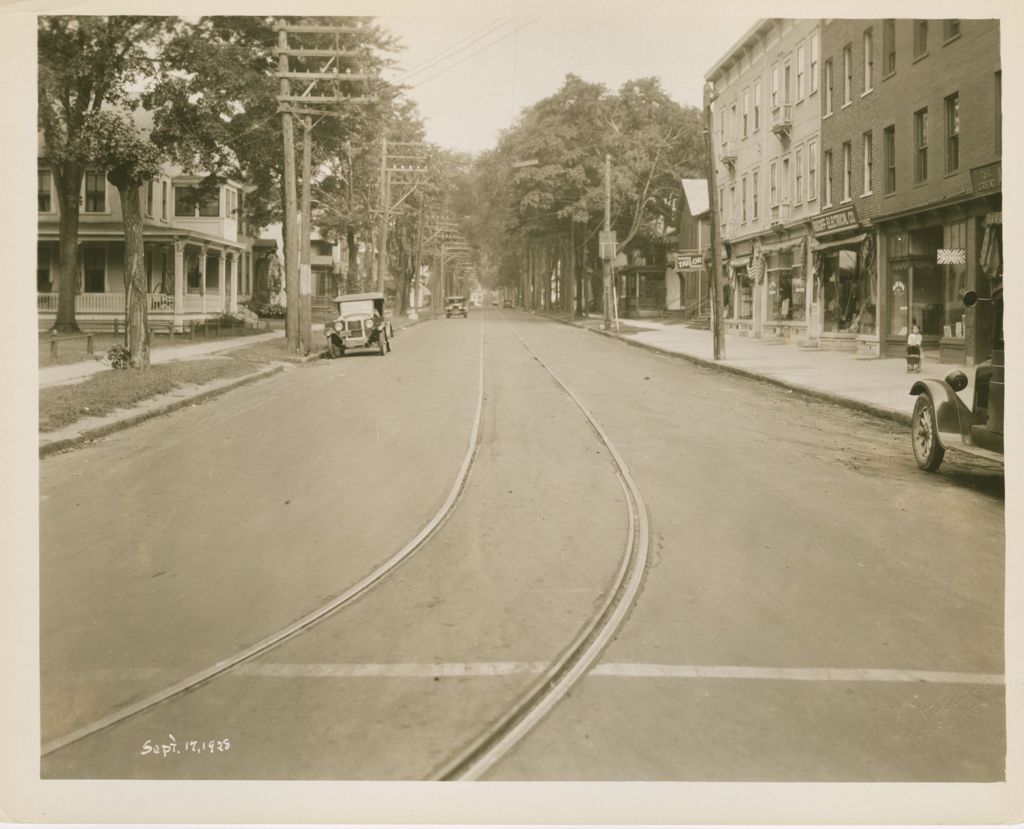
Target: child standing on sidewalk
{"points": [[914, 340]]}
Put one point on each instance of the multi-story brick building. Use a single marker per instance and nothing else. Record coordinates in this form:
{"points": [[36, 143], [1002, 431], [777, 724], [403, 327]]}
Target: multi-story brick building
{"points": [[910, 189], [767, 120]]}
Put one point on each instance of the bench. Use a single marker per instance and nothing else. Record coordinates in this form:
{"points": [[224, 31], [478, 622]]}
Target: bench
{"points": [[55, 340]]}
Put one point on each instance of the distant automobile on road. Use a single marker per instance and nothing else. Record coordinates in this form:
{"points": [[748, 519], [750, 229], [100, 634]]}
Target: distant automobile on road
{"points": [[494, 302], [455, 305], [508, 304]]}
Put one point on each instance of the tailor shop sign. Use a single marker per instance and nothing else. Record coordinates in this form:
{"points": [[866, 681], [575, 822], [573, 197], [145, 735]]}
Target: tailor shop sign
{"points": [[689, 261], [838, 220], [988, 178]]}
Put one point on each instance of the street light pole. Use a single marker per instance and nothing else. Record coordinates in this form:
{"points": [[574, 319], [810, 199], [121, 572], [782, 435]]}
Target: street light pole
{"points": [[606, 263], [715, 278]]}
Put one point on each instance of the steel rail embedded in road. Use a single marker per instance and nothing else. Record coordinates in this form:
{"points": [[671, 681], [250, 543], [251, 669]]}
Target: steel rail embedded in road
{"points": [[579, 657], [310, 619]]}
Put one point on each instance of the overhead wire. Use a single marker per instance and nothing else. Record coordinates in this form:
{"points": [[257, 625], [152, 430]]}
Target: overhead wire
{"points": [[473, 54], [476, 34]]}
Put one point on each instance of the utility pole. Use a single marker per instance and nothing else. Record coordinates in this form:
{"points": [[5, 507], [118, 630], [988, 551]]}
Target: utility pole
{"points": [[416, 270], [305, 267], [715, 278], [291, 233], [607, 253], [298, 289], [382, 253]]}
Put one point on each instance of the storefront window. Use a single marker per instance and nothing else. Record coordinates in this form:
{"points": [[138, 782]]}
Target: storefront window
{"points": [[916, 283], [899, 298], [955, 240], [848, 301], [787, 288], [744, 295]]}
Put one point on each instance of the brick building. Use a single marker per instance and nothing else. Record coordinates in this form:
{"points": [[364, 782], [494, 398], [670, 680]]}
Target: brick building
{"points": [[767, 119], [910, 188]]}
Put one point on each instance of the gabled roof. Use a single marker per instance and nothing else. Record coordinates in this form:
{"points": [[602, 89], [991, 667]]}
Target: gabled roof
{"points": [[695, 191]]}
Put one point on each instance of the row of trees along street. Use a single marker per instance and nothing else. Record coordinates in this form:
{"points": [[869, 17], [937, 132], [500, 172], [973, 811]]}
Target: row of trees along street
{"points": [[128, 94], [536, 224]]}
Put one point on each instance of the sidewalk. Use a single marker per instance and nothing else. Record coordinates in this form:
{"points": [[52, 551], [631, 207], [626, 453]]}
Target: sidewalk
{"points": [[76, 372], [880, 386]]}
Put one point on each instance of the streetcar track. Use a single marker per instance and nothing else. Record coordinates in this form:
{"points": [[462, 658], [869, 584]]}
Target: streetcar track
{"points": [[313, 617], [576, 660]]}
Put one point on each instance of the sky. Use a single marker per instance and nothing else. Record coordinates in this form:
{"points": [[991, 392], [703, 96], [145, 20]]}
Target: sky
{"points": [[471, 75]]}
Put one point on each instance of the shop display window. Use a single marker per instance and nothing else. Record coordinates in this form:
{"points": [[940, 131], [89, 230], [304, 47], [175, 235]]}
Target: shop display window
{"points": [[850, 305], [787, 288], [955, 277], [744, 295], [917, 283]]}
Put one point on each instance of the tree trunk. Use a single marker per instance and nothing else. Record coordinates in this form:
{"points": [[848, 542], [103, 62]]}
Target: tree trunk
{"points": [[69, 186], [352, 283], [136, 328]]}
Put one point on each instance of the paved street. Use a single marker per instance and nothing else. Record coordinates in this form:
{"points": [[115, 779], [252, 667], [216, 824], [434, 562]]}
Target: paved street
{"points": [[812, 606]]}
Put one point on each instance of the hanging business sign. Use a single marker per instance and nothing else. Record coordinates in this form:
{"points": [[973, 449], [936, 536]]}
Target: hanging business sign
{"points": [[987, 178], [606, 244], [689, 261], [951, 256]]}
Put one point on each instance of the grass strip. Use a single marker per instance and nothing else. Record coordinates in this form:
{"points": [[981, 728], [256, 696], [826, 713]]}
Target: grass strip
{"points": [[102, 393]]}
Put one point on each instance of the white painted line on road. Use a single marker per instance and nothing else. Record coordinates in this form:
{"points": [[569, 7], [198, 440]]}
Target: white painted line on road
{"points": [[798, 674]]}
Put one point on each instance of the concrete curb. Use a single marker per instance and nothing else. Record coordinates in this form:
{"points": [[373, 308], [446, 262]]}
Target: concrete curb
{"points": [[133, 417], [807, 391]]}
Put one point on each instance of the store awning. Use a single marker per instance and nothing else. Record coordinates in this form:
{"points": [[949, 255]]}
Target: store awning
{"points": [[778, 246], [992, 250], [739, 262], [848, 241]]}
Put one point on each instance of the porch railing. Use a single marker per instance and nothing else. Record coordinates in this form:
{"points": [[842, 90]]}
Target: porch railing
{"points": [[114, 303]]}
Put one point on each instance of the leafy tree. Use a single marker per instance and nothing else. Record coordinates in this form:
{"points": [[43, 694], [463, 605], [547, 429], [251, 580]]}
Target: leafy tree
{"points": [[113, 143], [85, 64]]}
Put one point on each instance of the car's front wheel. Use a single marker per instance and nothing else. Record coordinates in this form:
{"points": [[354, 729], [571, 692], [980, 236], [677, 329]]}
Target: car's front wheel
{"points": [[928, 452], [333, 349], [382, 344]]}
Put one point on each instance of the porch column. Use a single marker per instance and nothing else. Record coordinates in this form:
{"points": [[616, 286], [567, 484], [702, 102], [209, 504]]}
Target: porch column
{"points": [[202, 275], [222, 294], [233, 296], [179, 282]]}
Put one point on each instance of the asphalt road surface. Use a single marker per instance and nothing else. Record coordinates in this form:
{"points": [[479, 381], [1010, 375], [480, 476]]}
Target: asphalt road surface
{"points": [[812, 606]]}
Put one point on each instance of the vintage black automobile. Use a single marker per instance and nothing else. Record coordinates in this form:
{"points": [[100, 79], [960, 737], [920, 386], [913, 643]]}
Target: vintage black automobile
{"points": [[360, 325], [455, 305], [942, 420]]}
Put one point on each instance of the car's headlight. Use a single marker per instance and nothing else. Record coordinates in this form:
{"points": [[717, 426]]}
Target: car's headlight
{"points": [[339, 326]]}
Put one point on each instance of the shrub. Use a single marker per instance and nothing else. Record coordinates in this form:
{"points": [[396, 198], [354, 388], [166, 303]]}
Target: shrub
{"points": [[119, 356]]}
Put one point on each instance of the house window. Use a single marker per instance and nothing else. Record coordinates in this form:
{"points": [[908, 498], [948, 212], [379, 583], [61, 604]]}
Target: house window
{"points": [[232, 203], [95, 191], [757, 105], [814, 62], [920, 38], [828, 87], [869, 62], [44, 191], [950, 29], [889, 46], [868, 161], [999, 113], [890, 159], [149, 198], [743, 196], [785, 181], [183, 205], [798, 188], [163, 200], [921, 145], [94, 266], [953, 133], [801, 89], [756, 185], [746, 111], [786, 88], [775, 86], [44, 279], [210, 206], [827, 168], [721, 203], [847, 171], [773, 184], [812, 171], [847, 74]]}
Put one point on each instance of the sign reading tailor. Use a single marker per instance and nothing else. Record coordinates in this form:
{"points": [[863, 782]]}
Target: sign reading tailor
{"points": [[951, 256], [989, 177], [689, 261], [839, 220]]}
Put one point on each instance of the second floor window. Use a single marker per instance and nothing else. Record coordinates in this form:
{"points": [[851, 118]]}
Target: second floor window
{"points": [[890, 159], [798, 185], [950, 29], [868, 162], [743, 196], [210, 206], [812, 171], [953, 133], [746, 112], [775, 86], [847, 171], [95, 192], [163, 200], [921, 145], [814, 62], [756, 188], [889, 46], [773, 185], [757, 104], [45, 197], [847, 74], [149, 198], [827, 175], [801, 88], [828, 87], [869, 62]]}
